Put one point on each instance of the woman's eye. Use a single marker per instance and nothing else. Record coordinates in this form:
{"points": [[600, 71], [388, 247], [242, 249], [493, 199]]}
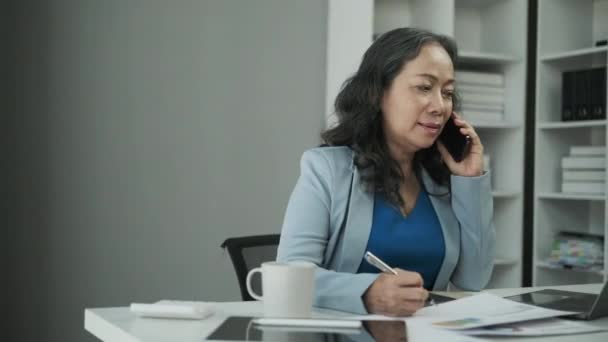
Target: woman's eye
{"points": [[448, 94], [425, 88]]}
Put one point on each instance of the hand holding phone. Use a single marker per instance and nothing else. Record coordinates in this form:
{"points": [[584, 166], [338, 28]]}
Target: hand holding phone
{"points": [[455, 142], [461, 148]]}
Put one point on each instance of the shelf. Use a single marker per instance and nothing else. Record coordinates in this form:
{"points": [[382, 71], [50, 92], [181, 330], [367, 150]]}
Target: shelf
{"points": [[494, 124], [468, 57], [571, 124], [565, 196], [545, 265], [505, 262], [574, 53], [567, 32], [475, 3], [505, 194]]}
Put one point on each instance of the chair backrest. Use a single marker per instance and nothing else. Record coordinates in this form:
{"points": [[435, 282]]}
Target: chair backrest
{"points": [[249, 252]]}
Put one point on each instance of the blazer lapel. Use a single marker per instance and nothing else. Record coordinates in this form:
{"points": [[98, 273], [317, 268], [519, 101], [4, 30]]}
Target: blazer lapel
{"points": [[451, 236], [359, 225]]}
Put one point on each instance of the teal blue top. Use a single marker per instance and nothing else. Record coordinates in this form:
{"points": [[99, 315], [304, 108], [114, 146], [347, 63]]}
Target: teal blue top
{"points": [[412, 243]]}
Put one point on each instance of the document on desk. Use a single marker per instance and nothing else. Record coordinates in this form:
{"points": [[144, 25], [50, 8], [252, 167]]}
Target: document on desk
{"points": [[482, 310], [543, 327]]}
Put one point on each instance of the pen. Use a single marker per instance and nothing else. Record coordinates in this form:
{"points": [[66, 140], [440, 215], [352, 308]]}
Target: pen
{"points": [[377, 263], [382, 266]]}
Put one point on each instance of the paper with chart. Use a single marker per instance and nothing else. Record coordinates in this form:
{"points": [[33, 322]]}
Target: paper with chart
{"points": [[482, 310]]}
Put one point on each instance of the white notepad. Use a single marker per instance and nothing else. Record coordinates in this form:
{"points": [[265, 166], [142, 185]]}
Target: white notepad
{"points": [[173, 309]]}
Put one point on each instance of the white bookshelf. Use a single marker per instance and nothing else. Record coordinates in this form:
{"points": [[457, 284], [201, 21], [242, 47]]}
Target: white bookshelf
{"points": [[496, 193], [573, 54], [491, 36], [566, 196], [571, 124], [567, 31], [487, 58]]}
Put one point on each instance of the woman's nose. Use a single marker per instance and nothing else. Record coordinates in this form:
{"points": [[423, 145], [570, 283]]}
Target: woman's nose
{"points": [[438, 103]]}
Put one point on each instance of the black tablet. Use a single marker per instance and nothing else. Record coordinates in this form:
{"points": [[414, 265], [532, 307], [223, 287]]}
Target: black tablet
{"points": [[239, 328]]}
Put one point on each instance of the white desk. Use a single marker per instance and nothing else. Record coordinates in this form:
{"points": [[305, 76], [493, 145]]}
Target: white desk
{"points": [[118, 324]]}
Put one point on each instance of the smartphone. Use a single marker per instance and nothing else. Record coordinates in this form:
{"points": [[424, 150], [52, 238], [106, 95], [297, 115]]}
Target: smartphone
{"points": [[455, 142]]}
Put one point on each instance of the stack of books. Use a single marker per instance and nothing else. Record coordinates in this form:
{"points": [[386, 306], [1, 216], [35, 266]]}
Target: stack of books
{"points": [[584, 170], [483, 95], [577, 250]]}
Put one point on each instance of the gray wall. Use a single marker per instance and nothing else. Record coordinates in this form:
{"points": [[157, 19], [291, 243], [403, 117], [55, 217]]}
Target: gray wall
{"points": [[144, 134], [4, 231]]}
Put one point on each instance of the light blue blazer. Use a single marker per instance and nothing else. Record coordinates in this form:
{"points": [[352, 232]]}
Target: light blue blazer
{"points": [[311, 228]]}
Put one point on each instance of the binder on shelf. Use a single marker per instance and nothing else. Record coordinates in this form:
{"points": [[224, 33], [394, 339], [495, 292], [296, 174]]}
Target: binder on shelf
{"points": [[588, 97], [598, 93], [568, 79], [583, 163], [582, 95]]}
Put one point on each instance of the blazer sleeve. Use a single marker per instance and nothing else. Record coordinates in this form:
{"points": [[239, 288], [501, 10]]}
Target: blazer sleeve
{"points": [[473, 206], [306, 231]]}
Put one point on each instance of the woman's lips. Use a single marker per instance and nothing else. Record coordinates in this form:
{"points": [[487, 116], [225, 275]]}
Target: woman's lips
{"points": [[430, 127]]}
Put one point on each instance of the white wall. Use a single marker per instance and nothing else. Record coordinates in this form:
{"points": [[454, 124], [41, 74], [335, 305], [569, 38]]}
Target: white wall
{"points": [[145, 133]]}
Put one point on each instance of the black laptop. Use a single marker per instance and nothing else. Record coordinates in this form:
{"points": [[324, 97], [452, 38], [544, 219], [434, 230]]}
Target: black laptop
{"points": [[587, 306]]}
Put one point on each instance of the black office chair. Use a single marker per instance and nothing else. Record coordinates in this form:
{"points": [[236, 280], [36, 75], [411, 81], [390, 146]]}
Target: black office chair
{"points": [[249, 252]]}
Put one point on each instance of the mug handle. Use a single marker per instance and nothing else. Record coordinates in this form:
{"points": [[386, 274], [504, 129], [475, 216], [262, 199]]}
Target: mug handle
{"points": [[248, 283]]}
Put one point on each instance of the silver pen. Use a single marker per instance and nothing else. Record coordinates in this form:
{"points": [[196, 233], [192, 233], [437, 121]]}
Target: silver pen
{"points": [[377, 263], [382, 266]]}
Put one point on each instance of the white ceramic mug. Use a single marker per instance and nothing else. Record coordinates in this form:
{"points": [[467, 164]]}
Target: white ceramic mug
{"points": [[287, 288]]}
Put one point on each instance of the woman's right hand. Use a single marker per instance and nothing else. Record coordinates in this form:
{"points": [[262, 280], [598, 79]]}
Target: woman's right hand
{"points": [[396, 295]]}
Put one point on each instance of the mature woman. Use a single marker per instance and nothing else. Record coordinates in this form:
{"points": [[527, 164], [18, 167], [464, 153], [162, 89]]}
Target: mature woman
{"points": [[385, 184]]}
